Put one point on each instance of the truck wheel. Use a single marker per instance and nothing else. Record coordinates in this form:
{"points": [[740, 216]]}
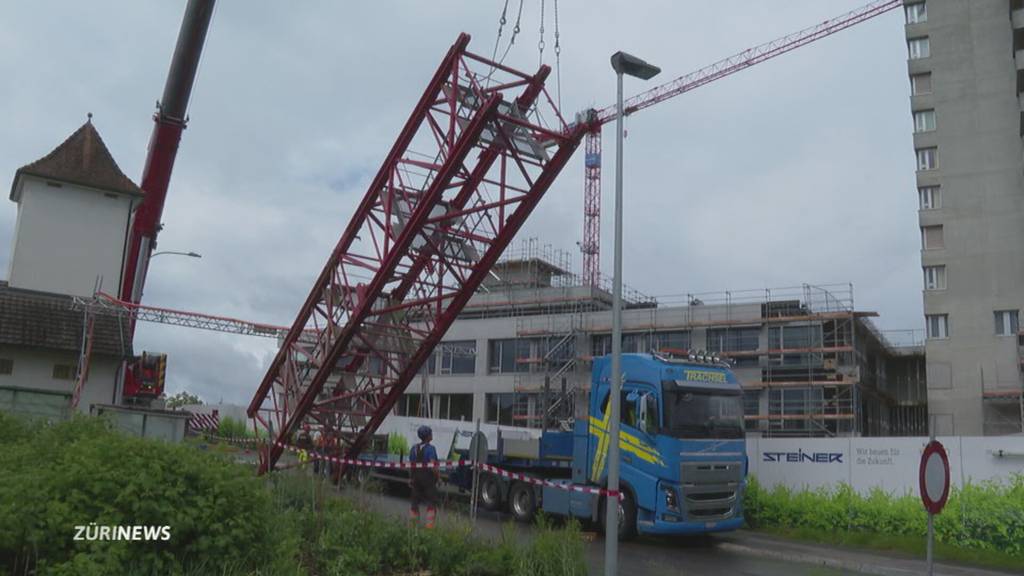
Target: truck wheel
{"points": [[522, 502], [627, 516], [490, 492]]}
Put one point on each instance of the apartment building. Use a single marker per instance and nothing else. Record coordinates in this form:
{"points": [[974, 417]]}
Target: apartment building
{"points": [[966, 75]]}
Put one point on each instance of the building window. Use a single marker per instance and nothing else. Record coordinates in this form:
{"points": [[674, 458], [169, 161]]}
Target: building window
{"points": [[927, 159], [924, 120], [454, 407], [937, 325], [733, 339], [930, 197], [509, 355], [934, 277], [921, 84], [752, 402], [919, 48], [556, 350], [6, 366], [932, 237], [642, 342], [671, 341], [408, 405], [499, 409], [1007, 322], [64, 372], [457, 357], [726, 340], [793, 409], [917, 13]]}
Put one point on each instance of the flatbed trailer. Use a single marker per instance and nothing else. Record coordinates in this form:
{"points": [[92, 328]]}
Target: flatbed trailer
{"points": [[683, 458]]}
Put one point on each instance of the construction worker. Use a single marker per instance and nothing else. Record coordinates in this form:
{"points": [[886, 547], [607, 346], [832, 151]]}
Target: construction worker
{"points": [[423, 481]]}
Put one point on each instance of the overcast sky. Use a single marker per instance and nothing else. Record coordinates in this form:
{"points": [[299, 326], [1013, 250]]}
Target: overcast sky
{"points": [[799, 170]]}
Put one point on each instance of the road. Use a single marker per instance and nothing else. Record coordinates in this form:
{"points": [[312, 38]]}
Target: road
{"points": [[642, 557]]}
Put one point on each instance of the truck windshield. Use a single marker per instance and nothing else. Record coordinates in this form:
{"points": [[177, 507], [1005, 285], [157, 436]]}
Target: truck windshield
{"points": [[702, 413]]}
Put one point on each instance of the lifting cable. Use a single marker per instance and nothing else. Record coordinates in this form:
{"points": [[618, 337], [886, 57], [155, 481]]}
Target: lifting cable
{"points": [[501, 25], [540, 44], [558, 59], [515, 32]]}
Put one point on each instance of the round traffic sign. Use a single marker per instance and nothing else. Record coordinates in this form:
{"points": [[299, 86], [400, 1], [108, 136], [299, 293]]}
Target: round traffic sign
{"points": [[934, 477], [478, 448]]}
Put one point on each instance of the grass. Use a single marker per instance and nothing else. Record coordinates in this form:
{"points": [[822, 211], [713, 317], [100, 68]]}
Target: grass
{"points": [[983, 524]]}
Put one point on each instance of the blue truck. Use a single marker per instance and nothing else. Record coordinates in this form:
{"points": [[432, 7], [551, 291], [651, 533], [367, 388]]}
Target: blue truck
{"points": [[682, 452]]}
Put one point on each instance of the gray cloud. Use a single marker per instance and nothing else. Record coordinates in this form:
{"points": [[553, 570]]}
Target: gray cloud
{"points": [[799, 170]]}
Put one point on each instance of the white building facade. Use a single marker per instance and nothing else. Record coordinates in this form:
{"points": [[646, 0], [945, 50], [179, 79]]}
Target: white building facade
{"points": [[74, 212]]}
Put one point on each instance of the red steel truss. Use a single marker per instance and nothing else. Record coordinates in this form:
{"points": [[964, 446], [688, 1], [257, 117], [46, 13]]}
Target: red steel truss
{"points": [[726, 67], [489, 142]]}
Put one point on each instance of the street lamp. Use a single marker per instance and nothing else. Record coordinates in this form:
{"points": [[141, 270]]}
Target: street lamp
{"points": [[189, 254], [623, 64]]}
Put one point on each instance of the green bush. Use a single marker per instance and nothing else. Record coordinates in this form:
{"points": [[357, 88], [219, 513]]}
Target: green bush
{"points": [[223, 519], [79, 472], [985, 517], [352, 540], [233, 428], [397, 444]]}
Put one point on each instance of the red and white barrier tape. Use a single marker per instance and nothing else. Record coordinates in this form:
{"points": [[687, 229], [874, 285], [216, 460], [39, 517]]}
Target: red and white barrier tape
{"points": [[549, 483], [442, 464], [436, 464]]}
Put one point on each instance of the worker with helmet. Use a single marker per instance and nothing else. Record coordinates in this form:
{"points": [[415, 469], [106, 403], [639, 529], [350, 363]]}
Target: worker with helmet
{"points": [[424, 479]]}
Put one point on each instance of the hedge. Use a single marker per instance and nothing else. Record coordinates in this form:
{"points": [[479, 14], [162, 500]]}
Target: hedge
{"points": [[223, 519], [983, 517]]}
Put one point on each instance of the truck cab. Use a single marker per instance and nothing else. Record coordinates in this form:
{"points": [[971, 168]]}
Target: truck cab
{"points": [[682, 449]]}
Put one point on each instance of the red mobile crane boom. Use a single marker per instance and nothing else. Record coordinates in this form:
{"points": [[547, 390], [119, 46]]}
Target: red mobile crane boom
{"points": [[591, 245], [143, 376]]}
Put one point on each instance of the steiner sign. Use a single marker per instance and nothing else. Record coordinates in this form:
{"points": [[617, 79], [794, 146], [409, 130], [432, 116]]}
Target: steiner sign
{"points": [[934, 477]]}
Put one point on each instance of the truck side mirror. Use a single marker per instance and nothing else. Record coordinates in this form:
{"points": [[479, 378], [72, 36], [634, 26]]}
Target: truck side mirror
{"points": [[641, 412]]}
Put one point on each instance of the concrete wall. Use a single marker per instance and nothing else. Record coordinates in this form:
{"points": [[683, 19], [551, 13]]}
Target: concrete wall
{"points": [[47, 405], [67, 236], [157, 424], [889, 464], [33, 368], [980, 174]]}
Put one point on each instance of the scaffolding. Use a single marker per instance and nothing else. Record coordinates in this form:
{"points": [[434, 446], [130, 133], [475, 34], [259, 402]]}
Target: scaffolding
{"points": [[1004, 412], [810, 364]]}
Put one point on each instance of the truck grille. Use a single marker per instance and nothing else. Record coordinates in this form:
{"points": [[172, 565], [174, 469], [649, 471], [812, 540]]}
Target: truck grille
{"points": [[711, 490]]}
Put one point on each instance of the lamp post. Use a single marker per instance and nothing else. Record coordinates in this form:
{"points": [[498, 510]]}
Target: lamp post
{"points": [[623, 64], [189, 254]]}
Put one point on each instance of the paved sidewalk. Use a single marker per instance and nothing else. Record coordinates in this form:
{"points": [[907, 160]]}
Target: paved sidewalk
{"points": [[866, 562]]}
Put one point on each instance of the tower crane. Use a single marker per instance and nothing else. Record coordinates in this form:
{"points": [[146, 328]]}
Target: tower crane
{"points": [[596, 119], [481, 147]]}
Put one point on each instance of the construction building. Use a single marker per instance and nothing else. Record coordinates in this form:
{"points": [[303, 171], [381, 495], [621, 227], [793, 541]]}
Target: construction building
{"points": [[810, 363], [966, 72]]}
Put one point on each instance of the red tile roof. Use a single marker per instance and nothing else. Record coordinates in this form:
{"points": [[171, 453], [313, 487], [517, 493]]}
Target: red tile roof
{"points": [[81, 159], [45, 320]]}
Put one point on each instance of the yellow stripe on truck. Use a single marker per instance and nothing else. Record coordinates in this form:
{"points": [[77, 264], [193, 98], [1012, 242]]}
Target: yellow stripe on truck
{"points": [[627, 443]]}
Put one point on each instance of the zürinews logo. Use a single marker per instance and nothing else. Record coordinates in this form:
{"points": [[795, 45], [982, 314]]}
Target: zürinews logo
{"points": [[92, 532], [801, 456]]}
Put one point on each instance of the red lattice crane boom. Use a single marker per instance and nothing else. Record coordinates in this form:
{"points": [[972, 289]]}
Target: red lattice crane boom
{"points": [[489, 142], [591, 245]]}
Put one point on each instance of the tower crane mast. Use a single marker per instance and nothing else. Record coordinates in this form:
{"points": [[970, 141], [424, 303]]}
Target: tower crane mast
{"points": [[591, 245]]}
